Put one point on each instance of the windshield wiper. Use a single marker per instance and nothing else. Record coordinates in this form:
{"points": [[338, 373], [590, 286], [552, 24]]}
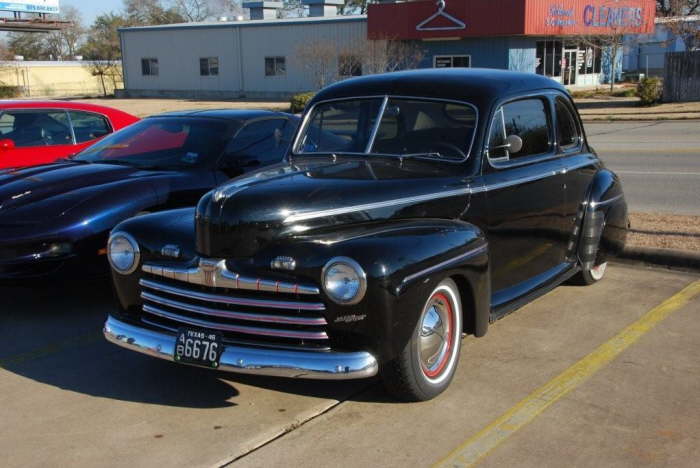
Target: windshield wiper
{"points": [[71, 160]]}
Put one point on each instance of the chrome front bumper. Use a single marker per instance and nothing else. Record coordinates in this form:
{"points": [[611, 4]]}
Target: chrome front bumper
{"points": [[258, 361]]}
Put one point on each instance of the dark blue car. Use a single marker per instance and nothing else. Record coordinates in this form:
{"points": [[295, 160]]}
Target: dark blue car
{"points": [[55, 218]]}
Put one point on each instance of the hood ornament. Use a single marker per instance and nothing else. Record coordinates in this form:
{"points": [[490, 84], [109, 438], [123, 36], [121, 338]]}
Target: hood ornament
{"points": [[440, 13]]}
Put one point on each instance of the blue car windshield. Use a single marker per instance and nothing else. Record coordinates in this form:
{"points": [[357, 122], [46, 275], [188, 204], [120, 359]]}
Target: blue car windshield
{"points": [[164, 142]]}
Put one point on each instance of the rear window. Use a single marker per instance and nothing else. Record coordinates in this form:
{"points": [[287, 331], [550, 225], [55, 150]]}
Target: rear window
{"points": [[164, 142]]}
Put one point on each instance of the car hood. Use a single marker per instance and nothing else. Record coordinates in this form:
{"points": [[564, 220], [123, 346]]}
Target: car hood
{"points": [[241, 217], [41, 193]]}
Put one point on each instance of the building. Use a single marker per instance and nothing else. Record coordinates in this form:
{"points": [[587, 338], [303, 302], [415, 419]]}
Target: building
{"points": [[268, 57], [646, 53]]}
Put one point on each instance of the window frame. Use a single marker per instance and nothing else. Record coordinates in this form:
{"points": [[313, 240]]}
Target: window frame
{"points": [[54, 110], [209, 74], [110, 127], [274, 59], [574, 147], [525, 160], [150, 59], [250, 122], [452, 56], [301, 129]]}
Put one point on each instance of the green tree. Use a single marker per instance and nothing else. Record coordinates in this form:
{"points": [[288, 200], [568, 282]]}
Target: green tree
{"points": [[151, 12], [103, 41], [29, 45]]}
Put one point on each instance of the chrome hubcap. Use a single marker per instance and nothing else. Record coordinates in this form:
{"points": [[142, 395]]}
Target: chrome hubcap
{"points": [[435, 340], [598, 271]]}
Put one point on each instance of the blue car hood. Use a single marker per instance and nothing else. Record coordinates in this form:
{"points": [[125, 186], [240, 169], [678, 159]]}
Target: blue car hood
{"points": [[38, 194]]}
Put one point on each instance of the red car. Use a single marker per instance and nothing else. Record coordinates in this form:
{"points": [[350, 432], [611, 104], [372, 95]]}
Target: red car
{"points": [[39, 132]]}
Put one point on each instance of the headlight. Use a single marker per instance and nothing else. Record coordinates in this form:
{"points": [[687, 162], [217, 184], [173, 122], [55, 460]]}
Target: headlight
{"points": [[123, 253], [344, 280]]}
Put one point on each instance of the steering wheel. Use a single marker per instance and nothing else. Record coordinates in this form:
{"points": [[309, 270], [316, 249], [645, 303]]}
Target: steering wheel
{"points": [[452, 147]]}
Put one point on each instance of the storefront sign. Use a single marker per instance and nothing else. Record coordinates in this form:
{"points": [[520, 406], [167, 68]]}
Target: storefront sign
{"points": [[485, 18]]}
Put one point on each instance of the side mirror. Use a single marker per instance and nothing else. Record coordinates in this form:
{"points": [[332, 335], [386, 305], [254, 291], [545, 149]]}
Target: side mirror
{"points": [[513, 144], [7, 144]]}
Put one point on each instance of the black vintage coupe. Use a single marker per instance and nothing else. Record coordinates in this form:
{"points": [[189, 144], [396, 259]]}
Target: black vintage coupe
{"points": [[55, 219], [413, 207]]}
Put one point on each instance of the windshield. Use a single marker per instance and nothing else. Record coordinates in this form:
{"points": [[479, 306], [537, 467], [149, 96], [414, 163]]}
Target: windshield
{"points": [[406, 127], [163, 142]]}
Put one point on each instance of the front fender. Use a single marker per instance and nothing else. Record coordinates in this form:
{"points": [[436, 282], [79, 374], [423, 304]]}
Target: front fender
{"points": [[404, 261]]}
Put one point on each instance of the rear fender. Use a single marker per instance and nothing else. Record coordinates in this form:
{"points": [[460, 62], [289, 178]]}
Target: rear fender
{"points": [[605, 221]]}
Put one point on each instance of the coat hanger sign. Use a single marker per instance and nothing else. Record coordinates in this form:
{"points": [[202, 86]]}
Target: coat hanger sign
{"points": [[440, 13]]}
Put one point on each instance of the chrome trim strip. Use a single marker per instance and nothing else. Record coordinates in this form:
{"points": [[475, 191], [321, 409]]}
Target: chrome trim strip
{"points": [[216, 298], [213, 273], [432, 196], [464, 256], [252, 317], [249, 360], [274, 332], [595, 205], [375, 130], [373, 206]]}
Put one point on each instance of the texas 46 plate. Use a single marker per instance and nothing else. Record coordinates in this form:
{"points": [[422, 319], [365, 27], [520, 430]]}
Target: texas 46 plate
{"points": [[199, 347]]}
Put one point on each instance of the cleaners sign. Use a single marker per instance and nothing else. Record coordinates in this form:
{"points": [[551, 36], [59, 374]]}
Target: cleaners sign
{"points": [[454, 19]]}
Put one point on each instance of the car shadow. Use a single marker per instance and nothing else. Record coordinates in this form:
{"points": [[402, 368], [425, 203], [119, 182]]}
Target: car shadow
{"points": [[53, 336]]}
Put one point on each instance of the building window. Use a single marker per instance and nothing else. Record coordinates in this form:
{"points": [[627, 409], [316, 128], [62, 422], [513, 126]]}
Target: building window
{"points": [[275, 66], [209, 66], [452, 61], [149, 66], [349, 65], [551, 56]]}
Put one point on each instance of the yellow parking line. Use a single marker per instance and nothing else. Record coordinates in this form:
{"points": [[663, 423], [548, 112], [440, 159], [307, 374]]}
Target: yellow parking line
{"points": [[478, 446], [50, 349]]}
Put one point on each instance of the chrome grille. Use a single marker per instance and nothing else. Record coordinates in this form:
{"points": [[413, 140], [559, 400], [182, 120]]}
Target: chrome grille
{"points": [[258, 312]]}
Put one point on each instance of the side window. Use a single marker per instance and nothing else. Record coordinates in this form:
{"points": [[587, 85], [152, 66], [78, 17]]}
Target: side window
{"points": [[257, 144], [37, 128], [528, 120], [567, 130], [7, 122], [88, 126]]}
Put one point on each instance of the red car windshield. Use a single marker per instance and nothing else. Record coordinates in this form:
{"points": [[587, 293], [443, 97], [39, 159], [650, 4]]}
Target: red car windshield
{"points": [[163, 142]]}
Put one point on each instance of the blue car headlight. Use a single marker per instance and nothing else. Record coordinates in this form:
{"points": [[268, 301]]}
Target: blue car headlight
{"points": [[123, 253], [344, 281]]}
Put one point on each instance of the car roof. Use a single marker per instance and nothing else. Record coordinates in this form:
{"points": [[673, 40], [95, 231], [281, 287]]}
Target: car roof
{"points": [[228, 114], [477, 85], [56, 104]]}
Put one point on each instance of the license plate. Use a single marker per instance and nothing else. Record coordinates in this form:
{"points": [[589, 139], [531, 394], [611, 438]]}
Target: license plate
{"points": [[199, 347]]}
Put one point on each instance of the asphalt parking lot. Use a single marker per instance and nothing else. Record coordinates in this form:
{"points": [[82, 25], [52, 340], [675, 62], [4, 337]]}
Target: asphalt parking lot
{"points": [[575, 386]]}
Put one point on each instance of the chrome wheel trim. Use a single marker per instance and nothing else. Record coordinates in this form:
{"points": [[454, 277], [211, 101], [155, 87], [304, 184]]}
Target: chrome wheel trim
{"points": [[598, 271], [438, 334]]}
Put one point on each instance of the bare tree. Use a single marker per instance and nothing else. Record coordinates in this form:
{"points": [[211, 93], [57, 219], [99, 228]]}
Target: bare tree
{"points": [[65, 42], [228, 8], [319, 59], [683, 22], [106, 71], [388, 55], [677, 7], [194, 10]]}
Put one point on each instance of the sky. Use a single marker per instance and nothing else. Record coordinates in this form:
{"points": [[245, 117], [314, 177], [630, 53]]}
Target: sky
{"points": [[93, 8]]}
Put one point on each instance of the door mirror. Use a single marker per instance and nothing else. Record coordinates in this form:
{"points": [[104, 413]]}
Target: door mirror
{"points": [[7, 144], [513, 144]]}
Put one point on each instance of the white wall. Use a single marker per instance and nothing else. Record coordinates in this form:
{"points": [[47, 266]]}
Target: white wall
{"points": [[178, 51]]}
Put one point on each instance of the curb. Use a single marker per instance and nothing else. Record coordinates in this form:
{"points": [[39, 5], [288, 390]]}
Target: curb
{"points": [[663, 257]]}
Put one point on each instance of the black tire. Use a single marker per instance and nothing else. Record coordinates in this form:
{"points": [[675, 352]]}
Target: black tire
{"points": [[407, 377], [590, 276]]}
